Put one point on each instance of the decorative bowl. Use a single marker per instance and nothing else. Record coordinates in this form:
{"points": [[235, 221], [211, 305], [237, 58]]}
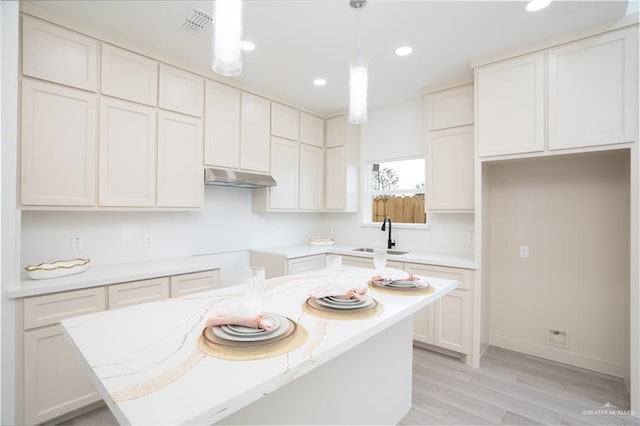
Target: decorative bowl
{"points": [[59, 268]]}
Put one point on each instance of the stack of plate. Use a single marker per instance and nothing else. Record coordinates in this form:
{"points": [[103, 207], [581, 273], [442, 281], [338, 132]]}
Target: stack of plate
{"points": [[237, 335], [402, 284], [334, 302]]}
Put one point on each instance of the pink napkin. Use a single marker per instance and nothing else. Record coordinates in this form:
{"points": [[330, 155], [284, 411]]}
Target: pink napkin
{"points": [[259, 321], [349, 293]]}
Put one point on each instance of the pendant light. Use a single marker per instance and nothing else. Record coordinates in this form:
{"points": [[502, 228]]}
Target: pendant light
{"points": [[358, 76], [227, 38]]}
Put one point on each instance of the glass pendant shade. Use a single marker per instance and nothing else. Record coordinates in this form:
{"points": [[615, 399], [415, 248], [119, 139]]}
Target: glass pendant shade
{"points": [[358, 82], [227, 38]]}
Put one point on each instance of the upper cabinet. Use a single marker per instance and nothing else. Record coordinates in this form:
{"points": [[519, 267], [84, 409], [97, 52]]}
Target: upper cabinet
{"points": [[254, 133], [285, 170], [592, 83], [342, 165], [181, 91], [58, 149], [311, 195], [311, 129], [510, 106], [336, 130], [285, 122], [222, 125], [449, 108], [56, 54], [129, 76]]}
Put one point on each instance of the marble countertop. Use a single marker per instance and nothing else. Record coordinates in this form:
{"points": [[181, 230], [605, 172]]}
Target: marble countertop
{"points": [[440, 259], [145, 362], [112, 274]]}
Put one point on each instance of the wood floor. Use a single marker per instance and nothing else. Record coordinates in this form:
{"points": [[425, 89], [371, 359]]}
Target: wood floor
{"points": [[509, 388]]}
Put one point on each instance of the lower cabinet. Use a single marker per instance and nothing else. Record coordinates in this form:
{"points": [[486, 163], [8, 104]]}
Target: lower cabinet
{"points": [[52, 381], [367, 262], [277, 265]]}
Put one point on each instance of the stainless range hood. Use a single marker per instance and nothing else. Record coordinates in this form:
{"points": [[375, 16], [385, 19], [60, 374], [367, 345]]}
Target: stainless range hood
{"points": [[237, 178]]}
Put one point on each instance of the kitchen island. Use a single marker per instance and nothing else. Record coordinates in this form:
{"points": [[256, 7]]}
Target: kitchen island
{"points": [[146, 364]]}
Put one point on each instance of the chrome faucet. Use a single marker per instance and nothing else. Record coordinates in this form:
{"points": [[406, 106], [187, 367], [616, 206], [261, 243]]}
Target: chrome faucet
{"points": [[390, 242]]}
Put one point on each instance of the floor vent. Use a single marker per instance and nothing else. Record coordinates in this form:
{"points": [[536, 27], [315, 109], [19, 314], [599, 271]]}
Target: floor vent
{"points": [[198, 21]]}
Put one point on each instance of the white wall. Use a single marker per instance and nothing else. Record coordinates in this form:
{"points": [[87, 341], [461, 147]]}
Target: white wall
{"points": [[573, 214], [226, 225], [397, 132]]}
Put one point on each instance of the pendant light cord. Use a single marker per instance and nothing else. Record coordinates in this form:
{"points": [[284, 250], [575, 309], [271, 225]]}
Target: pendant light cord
{"points": [[358, 32]]}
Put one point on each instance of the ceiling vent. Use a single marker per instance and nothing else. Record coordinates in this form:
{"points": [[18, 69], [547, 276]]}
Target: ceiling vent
{"points": [[198, 21]]}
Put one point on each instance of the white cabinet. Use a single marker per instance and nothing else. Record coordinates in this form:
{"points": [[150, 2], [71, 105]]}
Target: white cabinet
{"points": [[450, 169], [447, 322], [181, 91], [510, 106], [311, 129], [222, 125], [129, 76], [54, 380], [127, 154], [367, 262], [196, 282], [311, 194], [58, 147], [285, 170], [179, 160], [56, 54], [593, 91], [336, 129], [285, 122], [254, 133], [277, 265], [449, 108], [137, 292]]}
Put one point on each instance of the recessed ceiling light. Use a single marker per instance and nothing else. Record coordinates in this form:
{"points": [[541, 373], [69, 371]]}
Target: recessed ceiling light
{"points": [[319, 82], [404, 51], [535, 5], [247, 46]]}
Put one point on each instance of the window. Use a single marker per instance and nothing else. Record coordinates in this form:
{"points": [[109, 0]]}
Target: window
{"points": [[396, 189]]}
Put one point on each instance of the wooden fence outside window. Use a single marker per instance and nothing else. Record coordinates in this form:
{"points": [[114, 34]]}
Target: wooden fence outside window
{"points": [[401, 209]]}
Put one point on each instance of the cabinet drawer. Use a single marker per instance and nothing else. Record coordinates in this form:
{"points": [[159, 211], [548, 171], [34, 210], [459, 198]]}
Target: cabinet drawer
{"points": [[307, 263], [367, 262], [137, 292], [52, 308], [194, 283], [463, 276]]}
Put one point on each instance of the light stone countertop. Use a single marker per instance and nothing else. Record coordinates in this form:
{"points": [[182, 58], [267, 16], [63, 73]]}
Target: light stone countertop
{"points": [[145, 362], [439, 259], [101, 275]]}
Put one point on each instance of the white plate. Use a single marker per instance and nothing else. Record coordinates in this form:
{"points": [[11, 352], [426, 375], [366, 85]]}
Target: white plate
{"points": [[285, 326], [343, 301], [365, 303], [240, 330]]}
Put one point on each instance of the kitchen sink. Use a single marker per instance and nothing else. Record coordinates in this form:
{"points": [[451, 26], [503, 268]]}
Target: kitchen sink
{"points": [[370, 250]]}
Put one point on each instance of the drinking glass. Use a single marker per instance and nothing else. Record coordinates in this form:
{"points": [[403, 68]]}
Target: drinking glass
{"points": [[334, 266], [254, 283], [379, 259]]}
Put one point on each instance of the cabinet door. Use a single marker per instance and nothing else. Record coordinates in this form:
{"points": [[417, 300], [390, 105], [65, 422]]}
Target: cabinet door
{"points": [[336, 129], [450, 156], [307, 263], [179, 179], [130, 76], [222, 125], [55, 382], [311, 177], [254, 133], [59, 55], [311, 129], [284, 169], [592, 86], [49, 309], [452, 313], [181, 91], [285, 122], [449, 108], [197, 282], [137, 292], [58, 147], [510, 106], [127, 154], [335, 179], [423, 322]]}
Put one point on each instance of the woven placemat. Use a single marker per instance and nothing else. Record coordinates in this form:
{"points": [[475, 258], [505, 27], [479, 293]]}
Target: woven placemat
{"points": [[312, 307], [210, 345], [402, 291]]}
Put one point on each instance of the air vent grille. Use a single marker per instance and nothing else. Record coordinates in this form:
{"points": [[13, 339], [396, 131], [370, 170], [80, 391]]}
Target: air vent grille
{"points": [[198, 21]]}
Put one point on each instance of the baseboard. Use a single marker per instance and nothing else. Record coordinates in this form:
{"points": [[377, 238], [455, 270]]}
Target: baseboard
{"points": [[559, 355], [443, 351]]}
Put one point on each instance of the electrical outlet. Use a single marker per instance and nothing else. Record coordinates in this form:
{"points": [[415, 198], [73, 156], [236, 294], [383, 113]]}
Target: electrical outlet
{"points": [[524, 251], [470, 237], [76, 243], [148, 241]]}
